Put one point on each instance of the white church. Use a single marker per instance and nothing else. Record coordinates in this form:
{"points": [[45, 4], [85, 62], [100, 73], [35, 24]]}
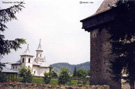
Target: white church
{"points": [[37, 65]]}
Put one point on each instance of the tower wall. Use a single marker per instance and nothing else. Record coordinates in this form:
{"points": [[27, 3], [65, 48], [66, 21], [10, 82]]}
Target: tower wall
{"points": [[39, 54], [26, 61], [100, 57]]}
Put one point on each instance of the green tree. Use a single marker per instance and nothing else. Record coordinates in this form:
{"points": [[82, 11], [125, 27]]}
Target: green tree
{"points": [[50, 69], [54, 74], [75, 72], [26, 74], [47, 78], [64, 76], [3, 77], [7, 15], [123, 44], [81, 73], [88, 72]]}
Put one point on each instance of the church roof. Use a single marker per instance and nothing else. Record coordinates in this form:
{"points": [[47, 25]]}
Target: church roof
{"points": [[7, 70], [42, 64], [39, 46], [105, 6], [17, 63], [27, 51]]}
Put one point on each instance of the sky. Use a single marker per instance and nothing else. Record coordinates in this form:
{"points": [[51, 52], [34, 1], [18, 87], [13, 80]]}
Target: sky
{"points": [[57, 24]]}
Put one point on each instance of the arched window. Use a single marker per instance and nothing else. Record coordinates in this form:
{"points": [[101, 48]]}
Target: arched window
{"points": [[29, 60], [23, 60]]}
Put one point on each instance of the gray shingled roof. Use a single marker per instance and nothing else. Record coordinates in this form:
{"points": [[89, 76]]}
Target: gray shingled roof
{"points": [[7, 70], [105, 6]]}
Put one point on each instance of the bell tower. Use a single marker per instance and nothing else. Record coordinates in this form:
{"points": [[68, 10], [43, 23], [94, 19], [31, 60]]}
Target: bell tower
{"points": [[27, 58], [39, 53]]}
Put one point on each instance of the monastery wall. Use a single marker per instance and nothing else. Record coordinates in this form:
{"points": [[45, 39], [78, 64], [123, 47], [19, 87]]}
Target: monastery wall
{"points": [[43, 86]]}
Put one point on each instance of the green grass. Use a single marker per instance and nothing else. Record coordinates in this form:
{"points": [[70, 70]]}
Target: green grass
{"points": [[52, 82], [38, 80]]}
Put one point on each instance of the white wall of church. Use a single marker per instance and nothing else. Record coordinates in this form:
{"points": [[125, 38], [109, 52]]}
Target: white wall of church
{"points": [[36, 70], [39, 71], [27, 61], [15, 67], [43, 70]]}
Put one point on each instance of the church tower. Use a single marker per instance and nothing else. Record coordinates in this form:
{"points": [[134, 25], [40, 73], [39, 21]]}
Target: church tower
{"points": [[39, 53], [100, 44], [27, 58]]}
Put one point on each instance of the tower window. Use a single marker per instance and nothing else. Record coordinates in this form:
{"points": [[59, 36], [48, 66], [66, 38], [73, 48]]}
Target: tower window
{"points": [[23, 60], [13, 67], [29, 60]]}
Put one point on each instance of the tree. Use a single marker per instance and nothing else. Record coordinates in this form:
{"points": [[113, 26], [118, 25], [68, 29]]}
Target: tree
{"points": [[7, 15], [88, 72], [3, 77], [81, 73], [64, 76], [123, 44], [50, 69], [26, 74], [47, 78], [75, 72], [54, 74]]}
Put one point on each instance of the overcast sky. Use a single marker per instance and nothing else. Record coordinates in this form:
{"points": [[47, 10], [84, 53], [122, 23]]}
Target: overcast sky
{"points": [[57, 24]]}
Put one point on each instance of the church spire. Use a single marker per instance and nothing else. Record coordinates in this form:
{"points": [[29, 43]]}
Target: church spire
{"points": [[27, 51], [39, 46]]}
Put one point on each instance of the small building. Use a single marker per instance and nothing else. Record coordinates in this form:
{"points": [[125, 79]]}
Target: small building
{"points": [[11, 74], [37, 65]]}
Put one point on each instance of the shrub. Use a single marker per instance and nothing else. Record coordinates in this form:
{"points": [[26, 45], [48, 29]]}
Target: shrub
{"points": [[79, 82], [81, 73], [54, 75], [47, 78], [84, 82], [64, 77], [3, 77], [26, 74]]}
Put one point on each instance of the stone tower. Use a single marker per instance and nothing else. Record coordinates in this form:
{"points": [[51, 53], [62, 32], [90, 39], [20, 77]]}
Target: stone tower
{"points": [[27, 58], [100, 44]]}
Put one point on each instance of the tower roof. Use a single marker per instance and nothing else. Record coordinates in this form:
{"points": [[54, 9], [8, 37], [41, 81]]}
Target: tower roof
{"points": [[27, 51], [39, 46], [105, 6]]}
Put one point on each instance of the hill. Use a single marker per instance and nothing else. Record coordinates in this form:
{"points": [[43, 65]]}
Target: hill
{"points": [[58, 66]]}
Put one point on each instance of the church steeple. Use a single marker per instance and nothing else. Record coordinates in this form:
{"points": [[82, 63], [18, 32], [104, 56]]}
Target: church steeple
{"points": [[39, 46], [27, 51], [39, 52]]}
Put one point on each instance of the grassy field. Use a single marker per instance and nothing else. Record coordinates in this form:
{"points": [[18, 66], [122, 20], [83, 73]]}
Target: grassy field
{"points": [[52, 82]]}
